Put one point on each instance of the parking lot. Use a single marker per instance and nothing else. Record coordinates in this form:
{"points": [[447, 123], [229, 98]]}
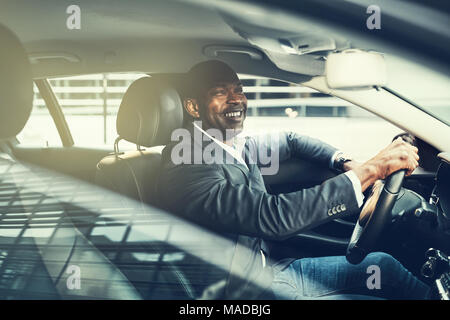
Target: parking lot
{"points": [[341, 132]]}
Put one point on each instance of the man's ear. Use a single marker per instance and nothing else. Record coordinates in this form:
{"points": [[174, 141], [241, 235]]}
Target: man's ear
{"points": [[191, 107]]}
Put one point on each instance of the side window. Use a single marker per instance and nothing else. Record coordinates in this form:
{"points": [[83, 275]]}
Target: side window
{"points": [[40, 129], [280, 106], [90, 104]]}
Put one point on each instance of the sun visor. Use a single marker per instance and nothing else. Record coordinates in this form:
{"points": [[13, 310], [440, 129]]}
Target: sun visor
{"points": [[300, 52], [303, 64]]}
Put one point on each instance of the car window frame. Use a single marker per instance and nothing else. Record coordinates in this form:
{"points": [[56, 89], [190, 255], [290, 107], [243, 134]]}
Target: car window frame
{"points": [[54, 108]]}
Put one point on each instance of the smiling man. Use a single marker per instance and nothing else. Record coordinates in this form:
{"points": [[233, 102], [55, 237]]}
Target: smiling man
{"points": [[231, 198], [221, 93]]}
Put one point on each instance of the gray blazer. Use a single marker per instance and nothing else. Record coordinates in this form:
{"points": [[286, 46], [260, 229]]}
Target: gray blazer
{"points": [[232, 200]]}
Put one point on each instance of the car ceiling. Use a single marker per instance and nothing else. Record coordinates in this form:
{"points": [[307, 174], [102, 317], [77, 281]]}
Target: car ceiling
{"points": [[129, 30], [153, 36], [106, 19], [169, 36]]}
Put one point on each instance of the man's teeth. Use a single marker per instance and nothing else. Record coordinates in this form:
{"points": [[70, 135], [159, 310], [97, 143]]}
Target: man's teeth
{"points": [[233, 114]]}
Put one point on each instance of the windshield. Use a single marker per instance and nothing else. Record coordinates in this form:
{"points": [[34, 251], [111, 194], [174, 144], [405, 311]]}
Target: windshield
{"points": [[428, 89]]}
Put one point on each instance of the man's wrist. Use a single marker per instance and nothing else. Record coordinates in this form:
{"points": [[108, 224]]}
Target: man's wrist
{"points": [[367, 173], [350, 165], [340, 161]]}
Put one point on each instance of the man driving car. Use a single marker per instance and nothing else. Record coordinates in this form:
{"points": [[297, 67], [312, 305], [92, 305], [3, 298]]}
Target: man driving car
{"points": [[229, 197]]}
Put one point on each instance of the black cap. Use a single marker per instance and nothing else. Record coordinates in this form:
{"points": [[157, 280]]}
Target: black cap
{"points": [[205, 75]]}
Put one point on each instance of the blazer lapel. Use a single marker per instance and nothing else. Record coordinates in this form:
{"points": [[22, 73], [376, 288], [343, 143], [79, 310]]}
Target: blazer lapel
{"points": [[201, 141]]}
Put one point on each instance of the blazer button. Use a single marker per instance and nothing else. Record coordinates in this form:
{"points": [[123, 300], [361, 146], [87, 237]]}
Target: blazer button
{"points": [[343, 208], [329, 212], [338, 208], [334, 210]]}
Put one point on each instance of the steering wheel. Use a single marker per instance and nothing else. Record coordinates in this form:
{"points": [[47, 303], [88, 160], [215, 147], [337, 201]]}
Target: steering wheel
{"points": [[367, 230]]}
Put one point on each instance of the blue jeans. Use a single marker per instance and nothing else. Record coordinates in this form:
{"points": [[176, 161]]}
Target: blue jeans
{"points": [[335, 278]]}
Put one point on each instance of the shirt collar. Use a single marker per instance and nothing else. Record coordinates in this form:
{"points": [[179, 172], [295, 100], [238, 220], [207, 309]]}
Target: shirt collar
{"points": [[235, 152]]}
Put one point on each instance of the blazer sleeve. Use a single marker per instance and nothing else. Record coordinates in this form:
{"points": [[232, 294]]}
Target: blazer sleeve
{"points": [[288, 145], [203, 194]]}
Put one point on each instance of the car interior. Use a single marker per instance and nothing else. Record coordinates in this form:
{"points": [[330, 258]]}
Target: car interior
{"points": [[149, 111]]}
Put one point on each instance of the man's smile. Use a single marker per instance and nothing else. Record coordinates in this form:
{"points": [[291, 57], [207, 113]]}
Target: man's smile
{"points": [[234, 115]]}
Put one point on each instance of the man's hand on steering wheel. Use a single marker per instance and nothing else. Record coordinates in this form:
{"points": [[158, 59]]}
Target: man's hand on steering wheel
{"points": [[391, 164], [396, 156]]}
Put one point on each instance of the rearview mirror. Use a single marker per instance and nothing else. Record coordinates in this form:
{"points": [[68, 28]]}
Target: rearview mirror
{"points": [[355, 69]]}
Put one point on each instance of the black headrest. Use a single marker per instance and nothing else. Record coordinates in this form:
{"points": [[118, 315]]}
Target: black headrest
{"points": [[150, 110], [16, 85]]}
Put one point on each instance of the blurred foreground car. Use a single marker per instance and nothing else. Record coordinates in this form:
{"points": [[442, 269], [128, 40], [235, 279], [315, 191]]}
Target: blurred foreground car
{"points": [[83, 223]]}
